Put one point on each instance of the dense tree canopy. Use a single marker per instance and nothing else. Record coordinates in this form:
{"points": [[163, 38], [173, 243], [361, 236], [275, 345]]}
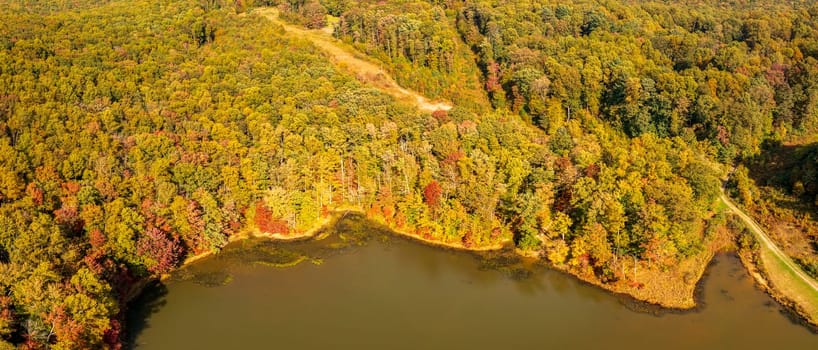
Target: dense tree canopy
{"points": [[136, 133], [419, 45], [731, 75]]}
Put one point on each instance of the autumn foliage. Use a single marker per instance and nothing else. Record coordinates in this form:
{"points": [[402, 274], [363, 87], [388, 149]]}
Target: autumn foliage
{"points": [[441, 116], [119, 154], [432, 193], [6, 314], [265, 221], [68, 217], [161, 249], [66, 328], [468, 239]]}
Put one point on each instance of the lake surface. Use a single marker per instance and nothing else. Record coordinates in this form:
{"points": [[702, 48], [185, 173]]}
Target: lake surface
{"points": [[362, 289]]}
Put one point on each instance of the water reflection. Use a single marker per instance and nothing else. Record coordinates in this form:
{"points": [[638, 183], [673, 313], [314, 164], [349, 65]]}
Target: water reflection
{"points": [[376, 290], [149, 302]]}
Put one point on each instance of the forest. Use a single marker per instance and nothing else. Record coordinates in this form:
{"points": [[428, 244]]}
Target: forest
{"points": [[135, 134]]}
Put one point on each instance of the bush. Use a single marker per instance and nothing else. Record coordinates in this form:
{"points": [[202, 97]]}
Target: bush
{"points": [[747, 241], [528, 242]]}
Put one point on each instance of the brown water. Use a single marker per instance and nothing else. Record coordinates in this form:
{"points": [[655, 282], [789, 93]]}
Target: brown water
{"points": [[369, 291]]}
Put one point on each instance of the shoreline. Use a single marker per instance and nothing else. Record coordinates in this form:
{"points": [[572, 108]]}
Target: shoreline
{"points": [[636, 304], [341, 212], [439, 244], [248, 234], [446, 245], [684, 304], [755, 268], [689, 300], [776, 274], [329, 221]]}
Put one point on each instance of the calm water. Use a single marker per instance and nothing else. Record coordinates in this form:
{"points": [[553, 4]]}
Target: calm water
{"points": [[369, 291]]}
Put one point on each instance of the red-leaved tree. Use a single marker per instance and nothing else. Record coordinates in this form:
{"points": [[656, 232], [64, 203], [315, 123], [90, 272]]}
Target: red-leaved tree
{"points": [[267, 223], [6, 315], [432, 193], [66, 329], [161, 250], [113, 334], [69, 219], [441, 115]]}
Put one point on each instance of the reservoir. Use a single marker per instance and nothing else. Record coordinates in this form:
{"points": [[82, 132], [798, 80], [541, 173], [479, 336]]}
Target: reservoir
{"points": [[361, 288]]}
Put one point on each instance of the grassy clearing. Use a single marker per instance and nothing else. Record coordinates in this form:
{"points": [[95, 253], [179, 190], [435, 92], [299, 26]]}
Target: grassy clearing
{"points": [[787, 281], [347, 58]]}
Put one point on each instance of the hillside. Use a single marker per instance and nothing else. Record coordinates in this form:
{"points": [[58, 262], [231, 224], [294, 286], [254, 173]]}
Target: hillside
{"points": [[591, 134]]}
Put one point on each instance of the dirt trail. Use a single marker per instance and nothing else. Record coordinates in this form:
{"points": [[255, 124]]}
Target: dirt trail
{"points": [[365, 71], [784, 273], [768, 243]]}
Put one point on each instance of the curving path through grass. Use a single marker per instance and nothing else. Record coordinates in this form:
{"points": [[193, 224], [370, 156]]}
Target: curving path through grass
{"points": [[787, 276]]}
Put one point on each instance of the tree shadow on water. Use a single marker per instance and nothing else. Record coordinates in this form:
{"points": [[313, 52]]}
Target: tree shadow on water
{"points": [[149, 302]]}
